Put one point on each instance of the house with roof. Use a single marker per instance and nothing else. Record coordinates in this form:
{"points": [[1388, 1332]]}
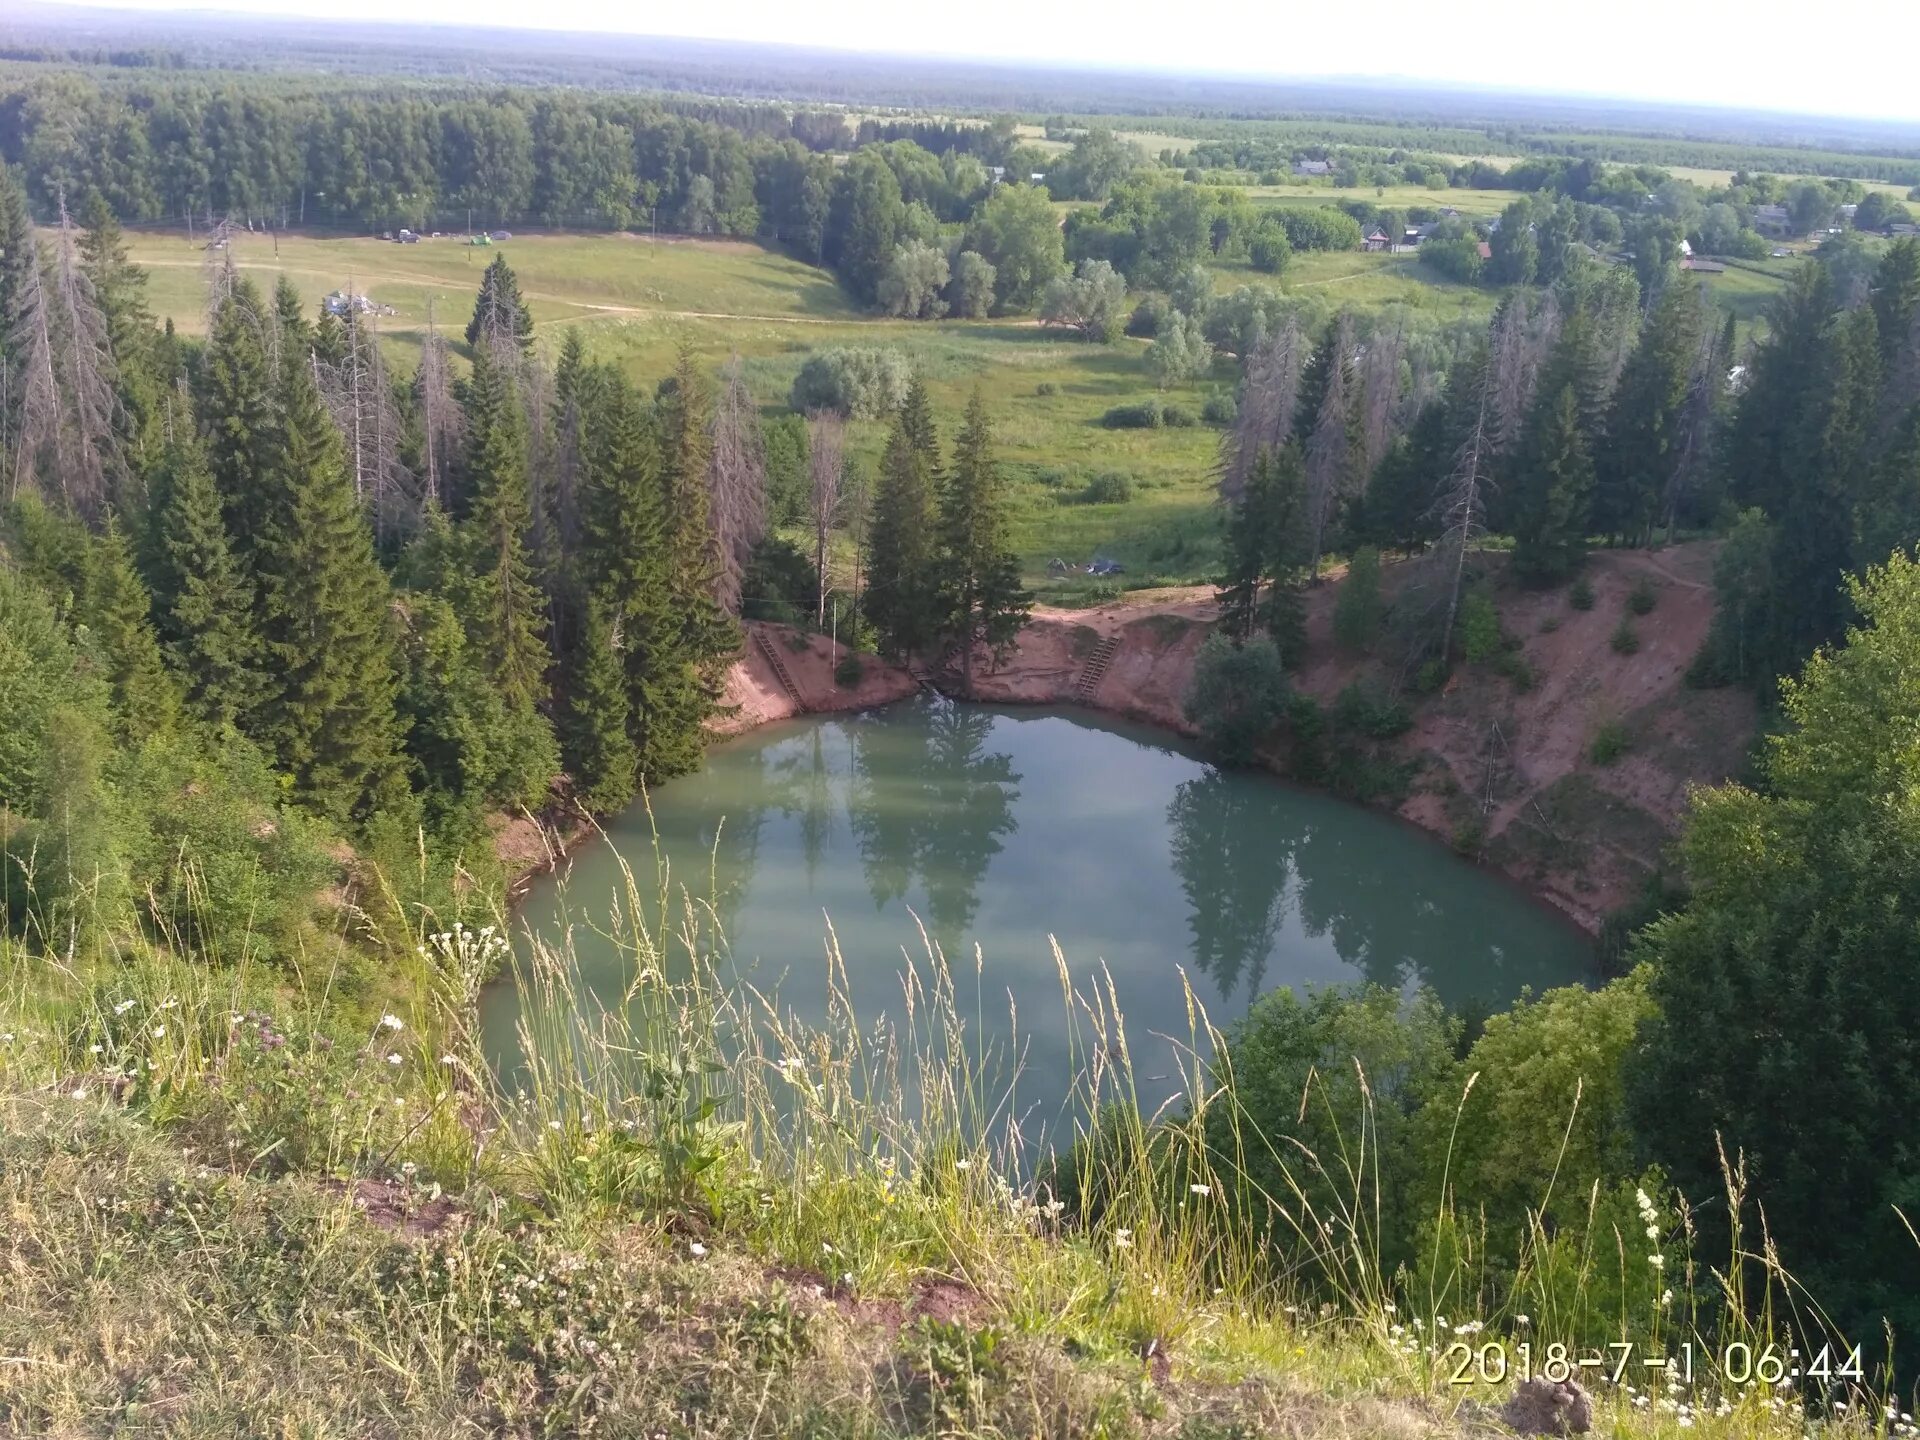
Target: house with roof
{"points": [[1376, 239], [1772, 220], [1313, 167]]}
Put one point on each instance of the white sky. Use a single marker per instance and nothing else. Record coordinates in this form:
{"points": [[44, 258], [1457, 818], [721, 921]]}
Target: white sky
{"points": [[1838, 57]]}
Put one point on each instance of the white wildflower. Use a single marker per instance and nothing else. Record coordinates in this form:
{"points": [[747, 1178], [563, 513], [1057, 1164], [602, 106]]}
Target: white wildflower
{"points": [[392, 1022], [159, 1032], [1123, 1239], [963, 1164], [697, 1250], [1201, 1189], [393, 1057]]}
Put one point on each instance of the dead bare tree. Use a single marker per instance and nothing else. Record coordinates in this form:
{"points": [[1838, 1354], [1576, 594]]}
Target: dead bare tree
{"points": [[1380, 408], [359, 394], [737, 481], [1462, 509], [91, 458], [826, 461], [1693, 448], [535, 379], [1267, 402], [1522, 337], [41, 420], [442, 423], [1330, 457], [216, 266]]}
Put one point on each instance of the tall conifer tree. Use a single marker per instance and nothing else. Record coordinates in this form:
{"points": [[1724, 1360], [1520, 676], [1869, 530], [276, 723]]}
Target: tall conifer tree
{"points": [[332, 723], [903, 584], [983, 601], [202, 597], [505, 618]]}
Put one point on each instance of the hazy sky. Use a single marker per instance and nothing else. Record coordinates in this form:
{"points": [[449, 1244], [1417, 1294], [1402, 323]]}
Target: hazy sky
{"points": [[1842, 57]]}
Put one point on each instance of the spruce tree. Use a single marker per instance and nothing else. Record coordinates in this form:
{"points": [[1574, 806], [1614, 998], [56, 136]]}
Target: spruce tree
{"points": [[597, 745], [332, 722], [505, 614], [628, 564], [499, 314], [16, 227], [1396, 510], [1267, 548], [708, 634], [1895, 297], [290, 315], [119, 612], [239, 414], [981, 596], [902, 595], [686, 446], [1646, 424], [119, 288], [203, 599], [1553, 492]]}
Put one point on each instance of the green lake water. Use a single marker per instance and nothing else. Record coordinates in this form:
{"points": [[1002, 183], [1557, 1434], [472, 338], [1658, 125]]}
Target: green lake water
{"points": [[1002, 827]]}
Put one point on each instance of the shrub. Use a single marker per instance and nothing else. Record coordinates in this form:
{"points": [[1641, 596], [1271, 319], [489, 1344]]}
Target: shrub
{"points": [[1178, 417], [1609, 743], [1144, 322], [1479, 627], [1580, 594], [1356, 609], [1363, 710], [1626, 640], [780, 583], [1146, 415], [1237, 696], [850, 671], [1109, 487], [858, 381], [1220, 409], [1308, 1074], [1046, 387], [1269, 249], [1643, 597], [1556, 1066]]}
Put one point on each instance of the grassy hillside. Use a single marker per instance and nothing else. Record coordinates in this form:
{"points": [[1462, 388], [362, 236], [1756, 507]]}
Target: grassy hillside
{"points": [[237, 1205]]}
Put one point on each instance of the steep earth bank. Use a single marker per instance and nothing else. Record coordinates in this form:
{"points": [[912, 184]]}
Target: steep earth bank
{"points": [[1502, 759]]}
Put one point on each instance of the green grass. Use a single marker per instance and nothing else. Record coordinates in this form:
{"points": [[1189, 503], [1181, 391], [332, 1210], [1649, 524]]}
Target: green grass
{"points": [[237, 1204], [637, 302], [1474, 204]]}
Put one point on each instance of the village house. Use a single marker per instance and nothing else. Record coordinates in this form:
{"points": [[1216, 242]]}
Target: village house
{"points": [[1313, 167]]}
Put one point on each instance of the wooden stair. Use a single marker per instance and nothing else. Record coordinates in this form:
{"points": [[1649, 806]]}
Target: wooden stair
{"points": [[768, 649], [1096, 669]]}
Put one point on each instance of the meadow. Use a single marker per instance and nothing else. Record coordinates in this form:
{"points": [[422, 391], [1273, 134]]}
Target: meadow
{"points": [[637, 299]]}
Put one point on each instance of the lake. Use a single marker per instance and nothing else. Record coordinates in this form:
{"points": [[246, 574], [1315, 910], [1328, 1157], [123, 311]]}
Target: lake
{"points": [[1000, 827]]}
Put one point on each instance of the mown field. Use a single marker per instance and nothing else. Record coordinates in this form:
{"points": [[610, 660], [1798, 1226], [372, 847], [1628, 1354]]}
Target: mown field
{"points": [[637, 300]]}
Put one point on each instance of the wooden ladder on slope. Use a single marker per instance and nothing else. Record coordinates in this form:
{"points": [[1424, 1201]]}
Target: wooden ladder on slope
{"points": [[780, 671], [1096, 669]]}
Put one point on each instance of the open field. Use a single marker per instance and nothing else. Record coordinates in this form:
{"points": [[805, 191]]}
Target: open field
{"points": [[637, 301], [1474, 204]]}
